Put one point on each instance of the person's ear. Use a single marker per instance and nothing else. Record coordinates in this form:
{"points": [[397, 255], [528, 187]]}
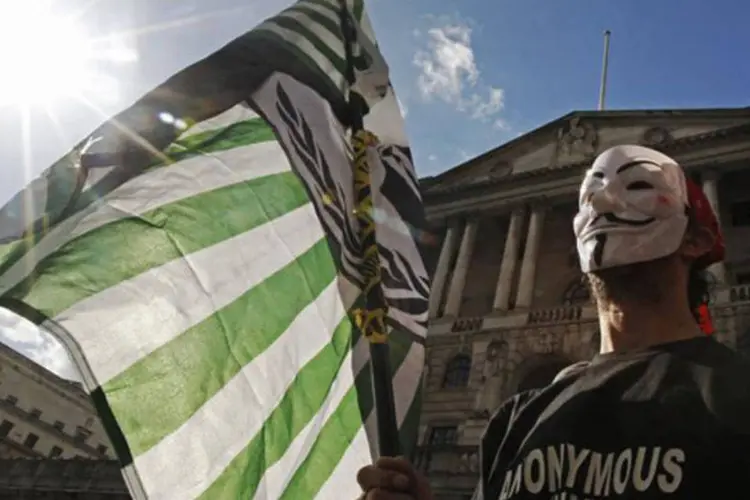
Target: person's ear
{"points": [[697, 243]]}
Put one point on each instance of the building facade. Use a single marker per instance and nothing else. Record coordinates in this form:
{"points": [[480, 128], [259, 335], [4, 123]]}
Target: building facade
{"points": [[509, 309], [52, 444], [45, 416]]}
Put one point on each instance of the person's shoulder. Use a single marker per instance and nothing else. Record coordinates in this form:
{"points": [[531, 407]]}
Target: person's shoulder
{"points": [[727, 364], [513, 405], [729, 386], [501, 421], [572, 371]]}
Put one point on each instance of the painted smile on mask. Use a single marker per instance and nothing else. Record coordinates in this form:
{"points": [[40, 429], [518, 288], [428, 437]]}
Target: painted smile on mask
{"points": [[613, 219]]}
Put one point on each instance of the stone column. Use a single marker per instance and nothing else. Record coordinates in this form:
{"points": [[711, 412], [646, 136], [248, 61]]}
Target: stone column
{"points": [[530, 256], [456, 291], [710, 181], [510, 258], [441, 272]]}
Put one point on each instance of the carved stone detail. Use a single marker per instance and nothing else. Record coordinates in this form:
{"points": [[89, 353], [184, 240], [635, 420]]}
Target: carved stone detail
{"points": [[500, 170], [576, 138], [656, 136], [490, 394]]}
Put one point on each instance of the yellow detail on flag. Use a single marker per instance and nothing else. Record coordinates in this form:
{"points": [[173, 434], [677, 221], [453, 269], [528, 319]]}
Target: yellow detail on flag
{"points": [[371, 318]]}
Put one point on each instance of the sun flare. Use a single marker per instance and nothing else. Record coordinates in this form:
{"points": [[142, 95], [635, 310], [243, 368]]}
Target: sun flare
{"points": [[44, 56]]}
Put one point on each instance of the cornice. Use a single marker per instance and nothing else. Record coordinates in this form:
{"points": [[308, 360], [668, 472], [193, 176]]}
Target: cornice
{"points": [[554, 185], [675, 147], [68, 390]]}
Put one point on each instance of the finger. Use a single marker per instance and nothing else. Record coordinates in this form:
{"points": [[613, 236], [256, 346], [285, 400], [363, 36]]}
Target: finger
{"points": [[373, 477], [398, 464], [379, 494]]}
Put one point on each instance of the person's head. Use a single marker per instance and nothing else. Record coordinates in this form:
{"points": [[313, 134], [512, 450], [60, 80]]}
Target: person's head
{"points": [[645, 234]]}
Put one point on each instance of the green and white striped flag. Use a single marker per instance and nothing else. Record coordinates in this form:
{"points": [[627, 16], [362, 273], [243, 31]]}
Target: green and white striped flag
{"points": [[203, 292]]}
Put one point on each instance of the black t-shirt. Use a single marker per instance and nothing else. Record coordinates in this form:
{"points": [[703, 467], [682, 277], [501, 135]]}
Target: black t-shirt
{"points": [[672, 421]]}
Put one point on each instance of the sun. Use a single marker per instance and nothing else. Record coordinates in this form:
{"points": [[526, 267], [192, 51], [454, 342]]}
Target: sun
{"points": [[43, 56]]}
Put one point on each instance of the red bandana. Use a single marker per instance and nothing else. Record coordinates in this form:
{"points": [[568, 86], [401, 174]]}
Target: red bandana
{"points": [[705, 217]]}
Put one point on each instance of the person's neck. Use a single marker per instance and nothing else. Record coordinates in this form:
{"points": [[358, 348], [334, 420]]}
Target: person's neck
{"points": [[629, 326]]}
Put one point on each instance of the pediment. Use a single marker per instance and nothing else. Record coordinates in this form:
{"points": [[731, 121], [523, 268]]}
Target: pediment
{"points": [[578, 137]]}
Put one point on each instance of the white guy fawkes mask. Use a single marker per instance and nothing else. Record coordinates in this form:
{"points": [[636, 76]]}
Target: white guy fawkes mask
{"points": [[631, 208]]}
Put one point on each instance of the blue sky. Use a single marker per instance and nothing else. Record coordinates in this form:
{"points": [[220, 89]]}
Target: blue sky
{"points": [[546, 56], [471, 74]]}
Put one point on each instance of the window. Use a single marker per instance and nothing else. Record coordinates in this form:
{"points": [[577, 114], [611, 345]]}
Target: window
{"points": [[443, 435], [82, 434], [30, 440], [55, 452], [457, 372], [35, 413], [101, 449], [740, 213], [11, 399], [58, 425], [6, 427]]}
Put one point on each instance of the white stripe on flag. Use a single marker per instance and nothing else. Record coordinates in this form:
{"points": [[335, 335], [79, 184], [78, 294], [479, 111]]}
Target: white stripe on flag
{"points": [[325, 36], [325, 64], [155, 189], [327, 13], [238, 113], [167, 300], [277, 476], [344, 477], [214, 435], [406, 385]]}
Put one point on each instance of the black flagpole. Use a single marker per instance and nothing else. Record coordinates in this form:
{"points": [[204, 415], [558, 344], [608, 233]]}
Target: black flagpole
{"points": [[372, 318]]}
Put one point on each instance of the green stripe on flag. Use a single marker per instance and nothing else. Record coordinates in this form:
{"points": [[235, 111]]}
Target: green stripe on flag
{"points": [[334, 30], [121, 250], [210, 354], [359, 9], [244, 133], [302, 401], [320, 46], [339, 431], [238, 134]]}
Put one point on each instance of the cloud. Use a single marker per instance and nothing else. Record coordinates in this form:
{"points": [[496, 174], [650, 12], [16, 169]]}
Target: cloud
{"points": [[448, 71], [36, 344], [500, 124], [432, 158]]}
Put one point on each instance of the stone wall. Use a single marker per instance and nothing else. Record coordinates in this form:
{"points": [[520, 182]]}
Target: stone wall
{"points": [[481, 278], [61, 479], [556, 268]]}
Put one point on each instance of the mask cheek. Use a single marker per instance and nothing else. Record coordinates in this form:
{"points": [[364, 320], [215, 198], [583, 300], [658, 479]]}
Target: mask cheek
{"points": [[656, 205], [587, 254], [581, 220]]}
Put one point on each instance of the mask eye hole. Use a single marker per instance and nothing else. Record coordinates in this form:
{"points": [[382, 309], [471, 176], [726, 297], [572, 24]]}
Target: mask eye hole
{"points": [[639, 186]]}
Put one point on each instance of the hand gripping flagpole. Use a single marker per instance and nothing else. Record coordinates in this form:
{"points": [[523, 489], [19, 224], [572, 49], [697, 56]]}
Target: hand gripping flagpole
{"points": [[371, 318]]}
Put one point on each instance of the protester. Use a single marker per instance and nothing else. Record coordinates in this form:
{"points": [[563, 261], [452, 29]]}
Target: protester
{"points": [[663, 410]]}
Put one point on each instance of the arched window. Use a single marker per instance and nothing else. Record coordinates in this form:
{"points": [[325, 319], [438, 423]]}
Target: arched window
{"points": [[576, 293], [457, 372]]}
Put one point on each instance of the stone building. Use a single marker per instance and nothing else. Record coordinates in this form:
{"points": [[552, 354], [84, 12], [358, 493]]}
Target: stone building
{"points": [[45, 416], [509, 309], [52, 444]]}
